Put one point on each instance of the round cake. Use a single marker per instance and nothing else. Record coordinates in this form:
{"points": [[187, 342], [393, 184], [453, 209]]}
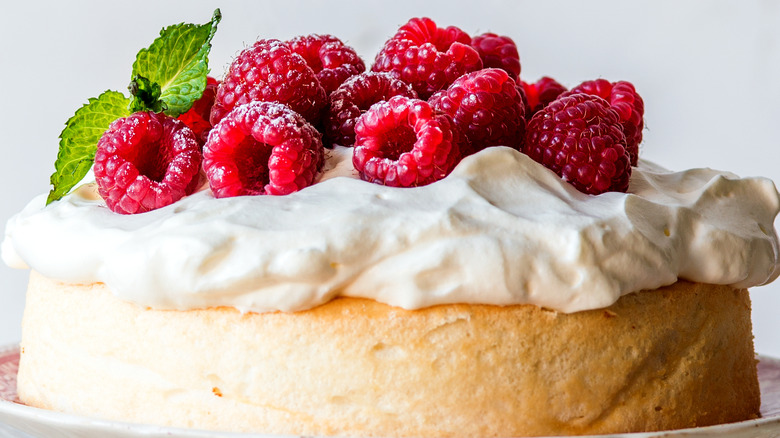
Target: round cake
{"points": [[679, 356], [434, 248], [454, 309]]}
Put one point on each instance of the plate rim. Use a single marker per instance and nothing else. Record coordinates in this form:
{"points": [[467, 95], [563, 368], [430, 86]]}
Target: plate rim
{"points": [[55, 418]]}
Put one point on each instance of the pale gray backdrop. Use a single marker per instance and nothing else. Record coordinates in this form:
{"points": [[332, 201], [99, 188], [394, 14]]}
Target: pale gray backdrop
{"points": [[709, 73]]}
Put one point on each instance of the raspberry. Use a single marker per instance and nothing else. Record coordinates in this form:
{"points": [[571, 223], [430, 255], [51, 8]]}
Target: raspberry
{"points": [[146, 161], [269, 71], [428, 57], [579, 137], [354, 97], [487, 108], [403, 142], [261, 148], [498, 51], [197, 118], [624, 99], [541, 93], [332, 61]]}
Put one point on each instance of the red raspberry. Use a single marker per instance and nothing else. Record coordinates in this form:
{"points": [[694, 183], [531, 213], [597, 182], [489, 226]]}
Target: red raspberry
{"points": [[428, 57], [261, 148], [486, 107], [498, 51], [354, 97], [197, 118], [579, 137], [269, 71], [624, 99], [146, 161], [332, 61], [541, 93], [403, 142]]}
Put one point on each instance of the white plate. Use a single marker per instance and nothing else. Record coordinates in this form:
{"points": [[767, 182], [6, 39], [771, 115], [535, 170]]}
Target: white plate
{"points": [[18, 420]]}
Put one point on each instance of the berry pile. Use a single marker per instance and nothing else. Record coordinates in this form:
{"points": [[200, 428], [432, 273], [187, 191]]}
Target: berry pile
{"points": [[433, 96]]}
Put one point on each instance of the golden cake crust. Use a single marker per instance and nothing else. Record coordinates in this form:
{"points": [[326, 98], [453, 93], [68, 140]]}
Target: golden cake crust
{"points": [[675, 357]]}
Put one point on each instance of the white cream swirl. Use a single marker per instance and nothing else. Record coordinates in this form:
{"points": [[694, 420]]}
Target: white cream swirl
{"points": [[501, 229]]}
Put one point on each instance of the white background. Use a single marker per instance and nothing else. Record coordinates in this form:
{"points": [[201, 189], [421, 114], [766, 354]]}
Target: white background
{"points": [[709, 73]]}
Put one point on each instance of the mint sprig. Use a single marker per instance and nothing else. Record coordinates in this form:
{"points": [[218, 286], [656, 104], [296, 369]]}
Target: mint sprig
{"points": [[177, 61], [146, 95], [78, 141], [168, 76]]}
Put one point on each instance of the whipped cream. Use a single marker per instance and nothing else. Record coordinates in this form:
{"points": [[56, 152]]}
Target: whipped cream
{"points": [[500, 229]]}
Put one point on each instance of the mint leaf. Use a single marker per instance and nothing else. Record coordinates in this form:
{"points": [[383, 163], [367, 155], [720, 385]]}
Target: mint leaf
{"points": [[78, 141], [178, 62]]}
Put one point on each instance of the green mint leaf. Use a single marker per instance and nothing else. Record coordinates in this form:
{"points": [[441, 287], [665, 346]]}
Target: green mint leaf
{"points": [[146, 95], [78, 141], [178, 61]]}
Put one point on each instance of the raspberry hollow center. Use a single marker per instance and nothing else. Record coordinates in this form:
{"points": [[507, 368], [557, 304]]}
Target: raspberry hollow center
{"points": [[152, 158], [252, 161], [398, 140]]}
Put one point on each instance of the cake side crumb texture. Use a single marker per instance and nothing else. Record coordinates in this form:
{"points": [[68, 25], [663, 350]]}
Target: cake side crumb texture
{"points": [[675, 357]]}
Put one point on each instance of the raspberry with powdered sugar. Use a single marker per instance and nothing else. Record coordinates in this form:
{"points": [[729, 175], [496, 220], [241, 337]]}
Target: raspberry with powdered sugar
{"points": [[262, 148], [270, 71], [146, 161]]}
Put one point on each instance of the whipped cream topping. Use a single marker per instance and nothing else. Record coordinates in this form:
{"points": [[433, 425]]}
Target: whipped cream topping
{"points": [[501, 229]]}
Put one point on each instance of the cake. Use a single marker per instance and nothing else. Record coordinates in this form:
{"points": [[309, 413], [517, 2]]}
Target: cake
{"points": [[500, 298], [679, 356]]}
